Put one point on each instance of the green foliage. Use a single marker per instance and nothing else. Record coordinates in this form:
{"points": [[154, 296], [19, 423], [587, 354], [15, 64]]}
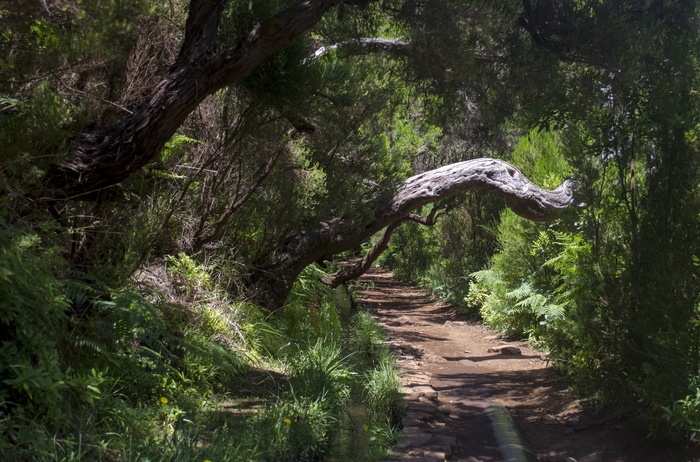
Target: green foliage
{"points": [[411, 252], [321, 370], [367, 336], [33, 317], [383, 392], [612, 292], [681, 418], [188, 276], [301, 426], [33, 136], [310, 311], [79, 29]]}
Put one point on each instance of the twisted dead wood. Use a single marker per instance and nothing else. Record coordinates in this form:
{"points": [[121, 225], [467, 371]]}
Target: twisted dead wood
{"points": [[523, 196]]}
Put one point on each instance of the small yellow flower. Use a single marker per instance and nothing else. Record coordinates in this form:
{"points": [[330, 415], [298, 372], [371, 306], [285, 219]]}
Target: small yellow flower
{"points": [[207, 460], [164, 400], [287, 421], [366, 427]]}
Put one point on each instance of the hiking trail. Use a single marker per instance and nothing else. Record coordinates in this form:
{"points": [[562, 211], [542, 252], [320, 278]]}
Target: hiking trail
{"points": [[470, 396]]}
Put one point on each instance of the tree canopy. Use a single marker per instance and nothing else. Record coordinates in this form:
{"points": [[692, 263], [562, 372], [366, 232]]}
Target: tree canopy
{"points": [[265, 137]]}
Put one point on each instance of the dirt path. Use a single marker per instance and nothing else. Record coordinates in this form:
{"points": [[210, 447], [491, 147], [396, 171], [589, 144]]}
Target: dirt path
{"points": [[458, 378]]}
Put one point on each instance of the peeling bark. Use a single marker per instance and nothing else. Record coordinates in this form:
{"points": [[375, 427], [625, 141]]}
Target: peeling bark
{"points": [[366, 45], [523, 197]]}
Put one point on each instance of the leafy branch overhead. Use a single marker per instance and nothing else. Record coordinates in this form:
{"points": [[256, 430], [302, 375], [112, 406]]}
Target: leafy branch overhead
{"points": [[105, 156]]}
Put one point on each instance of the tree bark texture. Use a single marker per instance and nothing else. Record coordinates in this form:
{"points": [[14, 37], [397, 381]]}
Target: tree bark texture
{"points": [[106, 156], [523, 197]]}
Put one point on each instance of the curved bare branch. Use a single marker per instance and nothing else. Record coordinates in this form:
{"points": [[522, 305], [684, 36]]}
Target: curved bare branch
{"points": [[523, 196]]}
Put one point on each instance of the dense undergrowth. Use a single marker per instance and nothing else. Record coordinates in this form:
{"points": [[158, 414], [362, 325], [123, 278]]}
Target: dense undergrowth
{"points": [[168, 368], [127, 329], [611, 291]]}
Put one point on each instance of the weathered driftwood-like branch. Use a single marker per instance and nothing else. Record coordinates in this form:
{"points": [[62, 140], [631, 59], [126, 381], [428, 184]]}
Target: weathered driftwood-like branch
{"points": [[523, 196]]}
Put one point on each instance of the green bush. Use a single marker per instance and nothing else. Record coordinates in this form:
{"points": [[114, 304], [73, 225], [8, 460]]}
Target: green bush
{"points": [[33, 321]]}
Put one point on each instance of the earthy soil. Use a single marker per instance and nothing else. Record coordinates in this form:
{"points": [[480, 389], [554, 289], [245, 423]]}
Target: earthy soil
{"points": [[463, 361]]}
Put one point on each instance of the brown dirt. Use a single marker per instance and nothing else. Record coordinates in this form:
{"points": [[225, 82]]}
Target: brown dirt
{"points": [[463, 363]]}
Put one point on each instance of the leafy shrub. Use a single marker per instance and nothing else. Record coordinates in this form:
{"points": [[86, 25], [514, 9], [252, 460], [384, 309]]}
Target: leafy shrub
{"points": [[189, 277], [322, 370], [299, 427], [681, 418], [33, 318]]}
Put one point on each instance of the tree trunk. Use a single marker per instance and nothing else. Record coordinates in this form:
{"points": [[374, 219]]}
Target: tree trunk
{"points": [[300, 250], [108, 155]]}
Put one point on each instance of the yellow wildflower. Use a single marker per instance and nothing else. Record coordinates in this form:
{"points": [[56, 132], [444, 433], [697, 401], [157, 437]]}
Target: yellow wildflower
{"points": [[164, 400], [287, 421]]}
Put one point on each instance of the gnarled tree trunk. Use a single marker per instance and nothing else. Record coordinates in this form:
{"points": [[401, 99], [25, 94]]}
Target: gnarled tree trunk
{"points": [[106, 156], [523, 197]]}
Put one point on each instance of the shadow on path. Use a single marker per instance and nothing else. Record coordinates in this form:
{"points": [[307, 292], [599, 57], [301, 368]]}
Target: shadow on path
{"points": [[454, 375]]}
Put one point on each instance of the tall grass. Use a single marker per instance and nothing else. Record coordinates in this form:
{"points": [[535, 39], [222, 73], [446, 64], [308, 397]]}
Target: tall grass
{"points": [[91, 372]]}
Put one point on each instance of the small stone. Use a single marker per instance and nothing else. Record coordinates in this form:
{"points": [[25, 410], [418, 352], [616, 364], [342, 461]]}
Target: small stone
{"points": [[413, 431], [412, 442], [436, 453], [442, 430], [418, 415], [410, 422], [573, 421], [511, 351], [428, 392]]}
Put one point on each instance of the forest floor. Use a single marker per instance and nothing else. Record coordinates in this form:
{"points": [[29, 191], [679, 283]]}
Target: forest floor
{"points": [[456, 371]]}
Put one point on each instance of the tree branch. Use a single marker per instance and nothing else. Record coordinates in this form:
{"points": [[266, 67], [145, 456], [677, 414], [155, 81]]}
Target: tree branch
{"points": [[108, 155], [523, 197], [363, 46], [201, 28], [354, 270]]}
